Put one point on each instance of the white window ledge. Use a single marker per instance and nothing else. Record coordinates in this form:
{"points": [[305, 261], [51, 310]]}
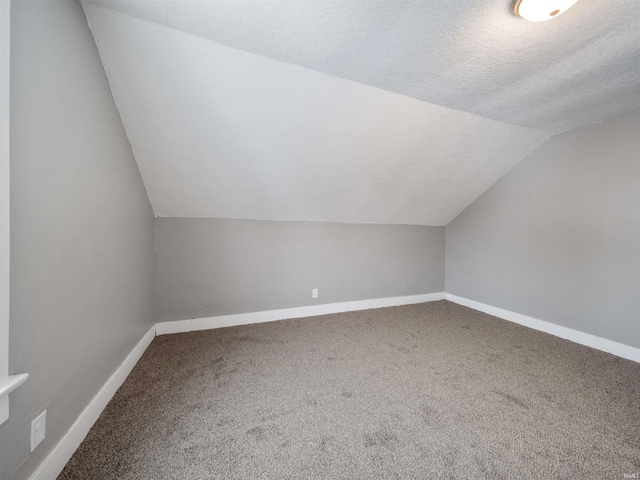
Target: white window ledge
{"points": [[6, 387]]}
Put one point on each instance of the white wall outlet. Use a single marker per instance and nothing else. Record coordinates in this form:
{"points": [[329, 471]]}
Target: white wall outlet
{"points": [[314, 293], [38, 430]]}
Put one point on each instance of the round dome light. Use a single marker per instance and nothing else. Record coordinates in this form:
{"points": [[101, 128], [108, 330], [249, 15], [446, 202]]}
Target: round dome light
{"points": [[540, 10]]}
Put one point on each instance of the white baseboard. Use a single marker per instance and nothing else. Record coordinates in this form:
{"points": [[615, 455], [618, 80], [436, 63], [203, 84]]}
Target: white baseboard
{"points": [[609, 346], [53, 464], [180, 326]]}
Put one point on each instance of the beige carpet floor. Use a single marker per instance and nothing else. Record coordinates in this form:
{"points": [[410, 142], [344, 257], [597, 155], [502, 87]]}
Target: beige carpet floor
{"points": [[421, 391]]}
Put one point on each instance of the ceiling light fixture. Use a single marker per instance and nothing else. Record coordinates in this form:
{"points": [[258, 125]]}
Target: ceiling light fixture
{"points": [[540, 10]]}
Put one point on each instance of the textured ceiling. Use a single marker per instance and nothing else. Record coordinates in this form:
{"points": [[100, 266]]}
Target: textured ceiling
{"points": [[222, 133], [470, 55]]}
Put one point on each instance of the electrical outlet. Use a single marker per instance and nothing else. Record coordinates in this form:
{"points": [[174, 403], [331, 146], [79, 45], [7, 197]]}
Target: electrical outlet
{"points": [[38, 430], [314, 293]]}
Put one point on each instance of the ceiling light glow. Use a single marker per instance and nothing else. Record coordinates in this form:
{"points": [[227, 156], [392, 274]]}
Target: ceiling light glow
{"points": [[540, 10]]}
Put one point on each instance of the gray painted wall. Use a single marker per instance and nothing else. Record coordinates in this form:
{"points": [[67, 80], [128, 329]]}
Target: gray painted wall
{"points": [[208, 267], [558, 237], [81, 229]]}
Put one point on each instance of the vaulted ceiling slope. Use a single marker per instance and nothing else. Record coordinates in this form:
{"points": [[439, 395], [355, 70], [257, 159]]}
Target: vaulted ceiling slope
{"points": [[223, 133], [470, 55]]}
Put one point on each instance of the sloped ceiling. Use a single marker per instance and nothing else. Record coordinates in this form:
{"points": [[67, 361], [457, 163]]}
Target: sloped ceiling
{"points": [[221, 132]]}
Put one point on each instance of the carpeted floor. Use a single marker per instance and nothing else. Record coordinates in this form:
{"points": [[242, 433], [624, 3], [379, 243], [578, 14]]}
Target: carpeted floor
{"points": [[433, 390]]}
